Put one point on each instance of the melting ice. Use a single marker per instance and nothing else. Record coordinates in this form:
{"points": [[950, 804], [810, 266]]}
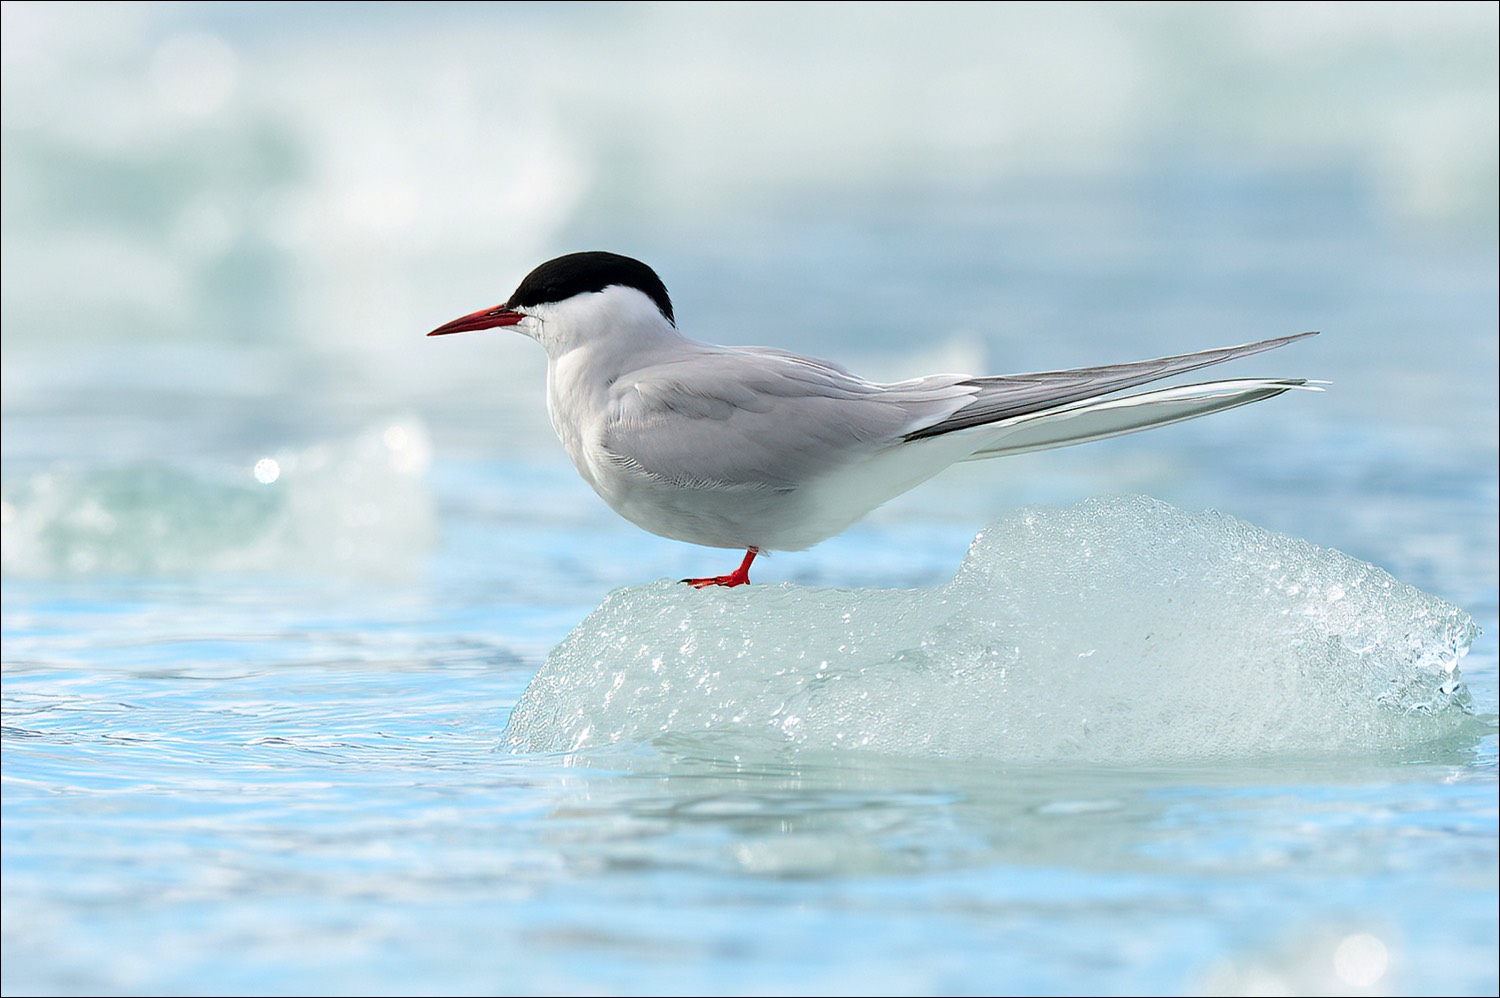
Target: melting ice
{"points": [[1118, 630]]}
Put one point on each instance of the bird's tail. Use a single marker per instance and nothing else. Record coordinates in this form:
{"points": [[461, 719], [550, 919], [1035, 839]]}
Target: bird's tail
{"points": [[1095, 419], [1015, 413]]}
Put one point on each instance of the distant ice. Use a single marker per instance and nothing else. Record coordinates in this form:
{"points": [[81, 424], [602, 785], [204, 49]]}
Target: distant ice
{"points": [[1118, 630], [356, 506]]}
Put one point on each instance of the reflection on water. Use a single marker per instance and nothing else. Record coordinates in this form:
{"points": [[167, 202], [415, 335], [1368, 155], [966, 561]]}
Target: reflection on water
{"points": [[328, 821], [838, 817]]}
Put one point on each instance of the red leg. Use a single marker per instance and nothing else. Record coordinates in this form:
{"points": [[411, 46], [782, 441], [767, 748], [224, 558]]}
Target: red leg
{"points": [[739, 577]]}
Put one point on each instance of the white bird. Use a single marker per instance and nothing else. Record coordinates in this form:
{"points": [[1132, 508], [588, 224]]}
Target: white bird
{"points": [[763, 450]]}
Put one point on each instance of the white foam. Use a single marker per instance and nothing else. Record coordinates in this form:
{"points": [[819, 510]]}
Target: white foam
{"points": [[1118, 630]]}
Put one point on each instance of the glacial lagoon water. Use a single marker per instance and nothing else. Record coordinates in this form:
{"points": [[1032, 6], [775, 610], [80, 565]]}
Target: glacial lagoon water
{"points": [[324, 673]]}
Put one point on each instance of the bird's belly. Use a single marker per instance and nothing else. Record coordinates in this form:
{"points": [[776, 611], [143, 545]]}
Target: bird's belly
{"points": [[724, 516], [759, 515]]}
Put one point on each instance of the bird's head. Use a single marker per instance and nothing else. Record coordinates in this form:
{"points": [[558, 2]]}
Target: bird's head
{"points": [[574, 297]]}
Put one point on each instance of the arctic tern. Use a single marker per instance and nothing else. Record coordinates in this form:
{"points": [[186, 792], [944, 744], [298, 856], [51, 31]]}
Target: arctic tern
{"points": [[759, 449]]}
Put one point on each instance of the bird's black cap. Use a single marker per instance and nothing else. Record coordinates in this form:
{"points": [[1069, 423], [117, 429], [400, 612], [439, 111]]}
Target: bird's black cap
{"points": [[583, 273]]}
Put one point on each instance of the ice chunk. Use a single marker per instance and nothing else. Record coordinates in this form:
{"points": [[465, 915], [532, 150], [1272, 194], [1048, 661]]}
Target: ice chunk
{"points": [[1118, 630], [351, 506]]}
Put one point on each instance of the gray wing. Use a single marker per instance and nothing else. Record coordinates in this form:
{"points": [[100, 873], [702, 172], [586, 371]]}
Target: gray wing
{"points": [[757, 418], [1012, 395], [760, 418]]}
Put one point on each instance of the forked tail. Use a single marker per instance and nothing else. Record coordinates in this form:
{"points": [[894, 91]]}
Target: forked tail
{"points": [[1081, 422], [1015, 413]]}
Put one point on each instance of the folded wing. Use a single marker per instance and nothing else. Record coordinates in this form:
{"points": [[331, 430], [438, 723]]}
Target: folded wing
{"points": [[760, 419]]}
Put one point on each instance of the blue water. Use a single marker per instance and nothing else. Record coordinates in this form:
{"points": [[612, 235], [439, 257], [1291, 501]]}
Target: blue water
{"points": [[277, 569]]}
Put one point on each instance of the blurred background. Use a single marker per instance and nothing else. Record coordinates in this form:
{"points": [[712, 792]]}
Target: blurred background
{"points": [[247, 202], [227, 227], [276, 566]]}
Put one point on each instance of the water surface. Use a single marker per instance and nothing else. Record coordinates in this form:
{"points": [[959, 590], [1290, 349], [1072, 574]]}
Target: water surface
{"points": [[254, 711]]}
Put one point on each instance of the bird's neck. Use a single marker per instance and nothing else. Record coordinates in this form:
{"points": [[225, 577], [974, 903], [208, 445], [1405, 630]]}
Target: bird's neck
{"points": [[591, 363], [583, 372]]}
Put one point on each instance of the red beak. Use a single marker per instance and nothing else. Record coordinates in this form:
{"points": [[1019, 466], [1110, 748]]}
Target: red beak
{"points": [[486, 318]]}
